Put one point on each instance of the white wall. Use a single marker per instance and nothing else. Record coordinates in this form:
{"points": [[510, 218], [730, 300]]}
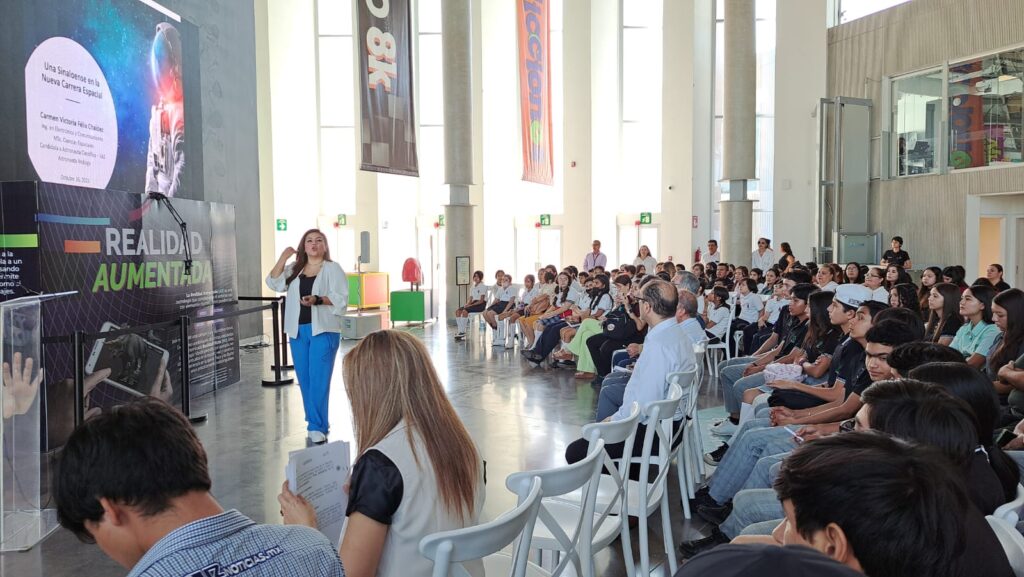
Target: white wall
{"points": [[800, 82]]}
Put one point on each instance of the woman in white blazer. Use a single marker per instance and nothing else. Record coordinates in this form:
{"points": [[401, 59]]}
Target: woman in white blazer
{"points": [[317, 296]]}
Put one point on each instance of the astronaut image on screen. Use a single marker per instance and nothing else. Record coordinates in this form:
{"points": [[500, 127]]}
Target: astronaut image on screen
{"points": [[166, 157]]}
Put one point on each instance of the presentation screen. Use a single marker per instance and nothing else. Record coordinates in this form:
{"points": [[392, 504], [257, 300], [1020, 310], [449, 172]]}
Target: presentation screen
{"points": [[100, 94]]}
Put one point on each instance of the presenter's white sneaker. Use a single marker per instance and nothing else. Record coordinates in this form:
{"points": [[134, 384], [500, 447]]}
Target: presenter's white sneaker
{"points": [[317, 437]]}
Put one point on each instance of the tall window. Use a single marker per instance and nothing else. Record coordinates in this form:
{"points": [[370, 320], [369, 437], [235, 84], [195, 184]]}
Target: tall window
{"points": [[641, 106], [917, 118], [760, 190], [336, 114], [986, 100]]}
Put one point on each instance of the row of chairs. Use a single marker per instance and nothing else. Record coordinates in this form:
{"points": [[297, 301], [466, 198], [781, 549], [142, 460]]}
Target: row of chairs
{"points": [[582, 511]]}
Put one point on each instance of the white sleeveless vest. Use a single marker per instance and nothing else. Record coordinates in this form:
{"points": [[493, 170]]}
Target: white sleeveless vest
{"points": [[422, 512]]}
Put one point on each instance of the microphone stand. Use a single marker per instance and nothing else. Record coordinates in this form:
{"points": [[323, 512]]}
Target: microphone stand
{"points": [[161, 197]]}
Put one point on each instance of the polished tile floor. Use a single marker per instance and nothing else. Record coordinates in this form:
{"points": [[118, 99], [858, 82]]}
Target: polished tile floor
{"points": [[522, 418]]}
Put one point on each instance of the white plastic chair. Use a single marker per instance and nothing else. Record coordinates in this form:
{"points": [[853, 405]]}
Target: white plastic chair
{"points": [[613, 487], [697, 437], [569, 529], [723, 346], [686, 452], [652, 495], [1011, 511], [1011, 540], [449, 550]]}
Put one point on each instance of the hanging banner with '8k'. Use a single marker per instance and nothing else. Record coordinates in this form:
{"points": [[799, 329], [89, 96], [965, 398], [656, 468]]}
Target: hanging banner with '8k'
{"points": [[535, 90], [388, 126]]}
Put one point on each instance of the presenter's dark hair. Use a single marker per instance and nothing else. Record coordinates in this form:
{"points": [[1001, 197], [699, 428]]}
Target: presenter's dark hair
{"points": [[140, 455], [301, 258], [857, 479]]}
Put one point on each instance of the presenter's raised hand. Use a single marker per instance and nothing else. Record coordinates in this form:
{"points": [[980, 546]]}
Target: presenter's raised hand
{"points": [[19, 388], [287, 253]]}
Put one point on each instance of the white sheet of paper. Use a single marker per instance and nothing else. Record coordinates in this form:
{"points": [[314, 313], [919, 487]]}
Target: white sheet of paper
{"points": [[319, 474]]}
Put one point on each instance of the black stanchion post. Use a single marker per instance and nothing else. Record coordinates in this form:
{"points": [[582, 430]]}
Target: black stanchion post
{"points": [[284, 342], [186, 376], [277, 381], [78, 343]]}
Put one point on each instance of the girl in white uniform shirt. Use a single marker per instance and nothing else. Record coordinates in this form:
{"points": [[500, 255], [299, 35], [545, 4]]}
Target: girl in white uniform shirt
{"points": [[717, 314], [643, 257], [505, 296], [530, 292], [476, 304], [417, 470]]}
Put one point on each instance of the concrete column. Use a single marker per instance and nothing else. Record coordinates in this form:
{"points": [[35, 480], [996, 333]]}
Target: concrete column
{"points": [[739, 130], [606, 129], [576, 121], [703, 50], [457, 52]]}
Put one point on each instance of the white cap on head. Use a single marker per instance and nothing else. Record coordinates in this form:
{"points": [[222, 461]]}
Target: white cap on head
{"points": [[852, 295]]}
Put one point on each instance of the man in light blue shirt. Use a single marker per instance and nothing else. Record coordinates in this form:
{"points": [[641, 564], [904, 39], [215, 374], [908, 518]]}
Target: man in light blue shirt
{"points": [[665, 349], [135, 481], [686, 316]]}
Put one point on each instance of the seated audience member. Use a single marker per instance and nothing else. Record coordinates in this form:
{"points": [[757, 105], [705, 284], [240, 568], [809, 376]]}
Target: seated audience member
{"points": [[904, 296], [689, 325], [561, 302], [824, 279], [835, 492], [722, 277], [750, 307], [757, 275], [417, 470], [975, 337], [895, 275], [740, 273], [852, 274], [739, 374], [538, 305], [1008, 317], [590, 310], [930, 277], [975, 389], [878, 342], [504, 301], [766, 560], [754, 336], [874, 279], [944, 318], [994, 275], [603, 345], [954, 275], [665, 351], [135, 481], [476, 304], [912, 410], [531, 292], [823, 336], [595, 325], [717, 315], [905, 317], [909, 356], [576, 307], [698, 270]]}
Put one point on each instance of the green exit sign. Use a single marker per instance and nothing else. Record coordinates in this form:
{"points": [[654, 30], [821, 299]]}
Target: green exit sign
{"points": [[645, 218], [342, 220], [545, 220], [440, 220], [282, 224]]}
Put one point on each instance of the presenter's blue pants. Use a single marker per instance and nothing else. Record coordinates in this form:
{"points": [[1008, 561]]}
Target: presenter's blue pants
{"points": [[314, 363]]}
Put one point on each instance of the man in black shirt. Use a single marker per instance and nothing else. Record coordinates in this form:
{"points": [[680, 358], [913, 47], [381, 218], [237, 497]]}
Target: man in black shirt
{"points": [[896, 255]]}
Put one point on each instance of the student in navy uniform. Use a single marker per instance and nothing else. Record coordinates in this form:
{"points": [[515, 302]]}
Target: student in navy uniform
{"points": [[134, 480]]}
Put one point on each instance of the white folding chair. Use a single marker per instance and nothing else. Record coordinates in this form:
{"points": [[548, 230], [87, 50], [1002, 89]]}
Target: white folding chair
{"points": [[696, 437], [686, 454], [451, 550], [722, 346], [568, 529], [613, 487], [1011, 540], [652, 495], [1012, 511]]}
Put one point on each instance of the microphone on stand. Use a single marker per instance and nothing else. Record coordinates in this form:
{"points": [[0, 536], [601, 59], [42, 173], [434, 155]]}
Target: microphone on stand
{"points": [[160, 197]]}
